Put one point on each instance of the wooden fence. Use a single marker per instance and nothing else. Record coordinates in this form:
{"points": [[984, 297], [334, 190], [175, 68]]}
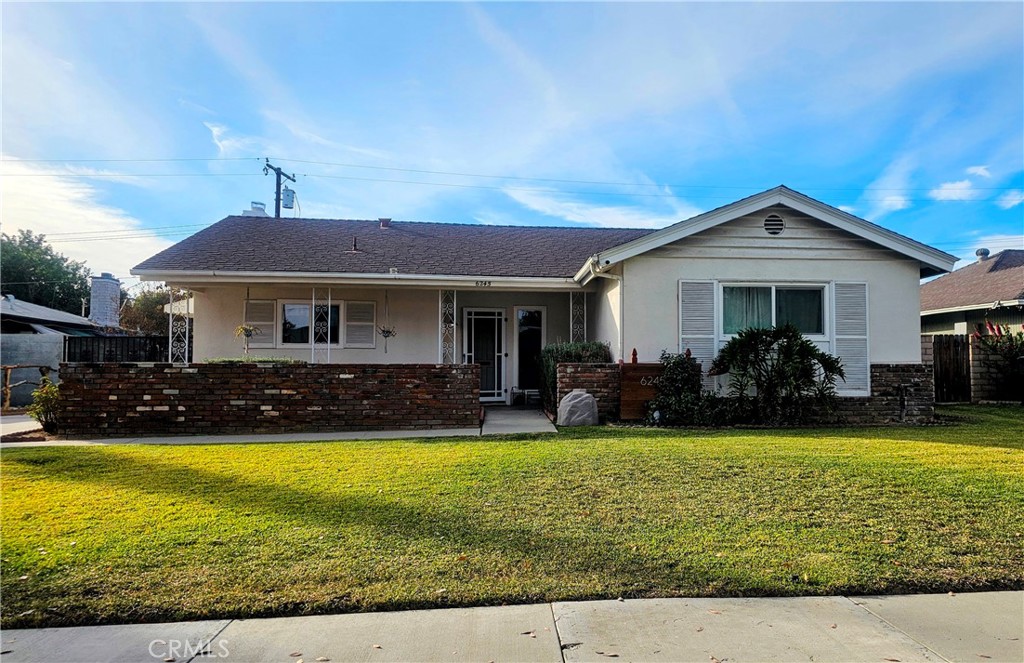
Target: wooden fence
{"points": [[952, 361]]}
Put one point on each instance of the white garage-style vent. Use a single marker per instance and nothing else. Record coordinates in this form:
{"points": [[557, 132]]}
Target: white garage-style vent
{"points": [[774, 224]]}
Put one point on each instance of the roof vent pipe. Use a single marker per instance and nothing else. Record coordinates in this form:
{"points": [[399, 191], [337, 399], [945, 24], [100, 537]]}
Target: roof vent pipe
{"points": [[384, 223], [982, 254]]}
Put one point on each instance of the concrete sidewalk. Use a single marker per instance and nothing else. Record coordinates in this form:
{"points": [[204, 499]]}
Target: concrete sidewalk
{"points": [[964, 627], [498, 421]]}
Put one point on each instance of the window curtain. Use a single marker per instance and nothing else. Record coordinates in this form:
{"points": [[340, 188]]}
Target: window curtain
{"points": [[801, 307], [746, 307]]}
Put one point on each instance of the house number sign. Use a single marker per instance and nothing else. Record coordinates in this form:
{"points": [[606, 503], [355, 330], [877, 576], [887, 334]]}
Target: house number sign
{"points": [[483, 284]]}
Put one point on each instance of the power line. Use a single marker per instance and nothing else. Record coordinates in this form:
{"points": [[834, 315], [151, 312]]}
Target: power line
{"points": [[421, 171], [604, 182], [127, 175], [100, 232], [128, 160]]}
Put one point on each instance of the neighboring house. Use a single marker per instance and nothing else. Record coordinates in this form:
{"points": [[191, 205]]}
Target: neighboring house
{"points": [[33, 335], [325, 290], [991, 289], [18, 317]]}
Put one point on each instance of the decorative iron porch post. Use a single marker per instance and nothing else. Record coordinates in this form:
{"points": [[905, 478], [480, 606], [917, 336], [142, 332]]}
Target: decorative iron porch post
{"points": [[320, 326], [577, 317], [178, 327], [446, 327]]}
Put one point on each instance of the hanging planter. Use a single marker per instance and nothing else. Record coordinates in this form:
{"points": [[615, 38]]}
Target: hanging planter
{"points": [[387, 330]]}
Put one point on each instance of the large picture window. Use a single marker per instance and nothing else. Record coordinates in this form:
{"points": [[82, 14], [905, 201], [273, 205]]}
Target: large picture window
{"points": [[762, 306]]}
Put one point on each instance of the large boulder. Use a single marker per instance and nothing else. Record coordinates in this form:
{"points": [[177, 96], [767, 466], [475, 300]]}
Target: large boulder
{"points": [[577, 408]]}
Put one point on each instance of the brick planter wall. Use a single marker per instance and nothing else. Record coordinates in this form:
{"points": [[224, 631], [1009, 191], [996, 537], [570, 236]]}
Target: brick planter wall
{"points": [[600, 380], [159, 399], [899, 393]]}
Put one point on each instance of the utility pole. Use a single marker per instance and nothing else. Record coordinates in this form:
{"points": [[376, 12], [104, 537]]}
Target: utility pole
{"points": [[277, 197]]}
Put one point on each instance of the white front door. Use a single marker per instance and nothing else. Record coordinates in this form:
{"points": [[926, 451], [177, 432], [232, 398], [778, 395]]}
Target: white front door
{"points": [[483, 343]]}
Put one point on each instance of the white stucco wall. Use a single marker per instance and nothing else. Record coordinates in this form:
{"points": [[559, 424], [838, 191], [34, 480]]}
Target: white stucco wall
{"points": [[603, 313], [414, 313], [219, 310], [652, 298]]}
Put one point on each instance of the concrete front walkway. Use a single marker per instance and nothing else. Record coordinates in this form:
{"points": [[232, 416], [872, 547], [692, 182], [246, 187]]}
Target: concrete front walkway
{"points": [[964, 627], [497, 421]]}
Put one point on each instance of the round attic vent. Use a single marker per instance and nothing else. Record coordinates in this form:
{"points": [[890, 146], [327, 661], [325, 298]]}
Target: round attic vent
{"points": [[774, 224]]}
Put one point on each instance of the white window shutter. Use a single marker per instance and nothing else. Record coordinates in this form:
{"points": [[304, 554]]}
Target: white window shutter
{"points": [[261, 314], [360, 324], [851, 325], [697, 323]]}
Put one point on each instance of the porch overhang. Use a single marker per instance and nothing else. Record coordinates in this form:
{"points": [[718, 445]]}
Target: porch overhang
{"points": [[198, 279]]}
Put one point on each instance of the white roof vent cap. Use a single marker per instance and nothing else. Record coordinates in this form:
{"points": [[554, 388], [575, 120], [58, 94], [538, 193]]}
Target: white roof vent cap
{"points": [[982, 254]]}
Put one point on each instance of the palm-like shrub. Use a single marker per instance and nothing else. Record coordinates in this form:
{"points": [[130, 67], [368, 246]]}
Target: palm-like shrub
{"points": [[777, 376]]}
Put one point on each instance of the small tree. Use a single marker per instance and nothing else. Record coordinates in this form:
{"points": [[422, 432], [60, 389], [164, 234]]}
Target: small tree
{"points": [[33, 272], [145, 312], [45, 406], [777, 376]]}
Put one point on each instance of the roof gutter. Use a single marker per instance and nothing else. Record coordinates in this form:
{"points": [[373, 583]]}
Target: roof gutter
{"points": [[1002, 303], [418, 280]]}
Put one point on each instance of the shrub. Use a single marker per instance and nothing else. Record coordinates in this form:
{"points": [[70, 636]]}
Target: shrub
{"points": [[776, 376], [251, 359], [45, 406], [1005, 350], [681, 399], [588, 352]]}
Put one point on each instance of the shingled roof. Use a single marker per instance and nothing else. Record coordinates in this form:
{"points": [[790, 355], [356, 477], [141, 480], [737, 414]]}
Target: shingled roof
{"points": [[264, 244], [999, 278]]}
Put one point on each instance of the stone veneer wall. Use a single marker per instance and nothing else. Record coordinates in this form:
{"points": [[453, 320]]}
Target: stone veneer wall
{"points": [[984, 378], [601, 380], [899, 392], [927, 349], [159, 399]]}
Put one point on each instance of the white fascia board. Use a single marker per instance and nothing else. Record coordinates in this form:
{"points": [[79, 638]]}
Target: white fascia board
{"points": [[975, 307], [216, 277], [923, 253], [928, 256]]}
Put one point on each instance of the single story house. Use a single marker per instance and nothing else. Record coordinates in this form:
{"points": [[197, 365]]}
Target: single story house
{"points": [[990, 289], [379, 291]]}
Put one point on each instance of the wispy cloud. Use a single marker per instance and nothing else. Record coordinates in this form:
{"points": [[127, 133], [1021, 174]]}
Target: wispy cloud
{"points": [[960, 190], [602, 216], [232, 145], [191, 105], [980, 171], [888, 192], [1011, 198], [63, 208]]}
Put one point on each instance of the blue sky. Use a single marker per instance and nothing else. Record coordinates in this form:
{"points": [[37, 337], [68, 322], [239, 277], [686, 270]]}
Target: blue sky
{"points": [[617, 114]]}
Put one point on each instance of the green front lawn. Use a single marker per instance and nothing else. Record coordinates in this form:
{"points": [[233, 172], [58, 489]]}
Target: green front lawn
{"points": [[147, 533]]}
